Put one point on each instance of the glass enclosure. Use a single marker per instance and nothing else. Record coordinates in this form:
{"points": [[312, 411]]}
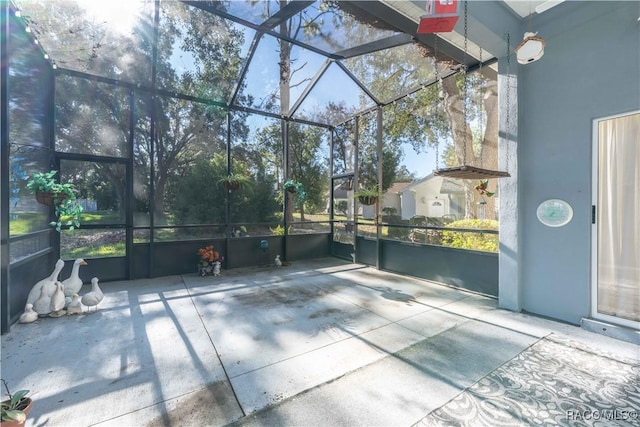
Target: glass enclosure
{"points": [[153, 111]]}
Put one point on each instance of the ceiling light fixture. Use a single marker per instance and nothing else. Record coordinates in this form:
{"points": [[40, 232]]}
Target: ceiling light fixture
{"points": [[530, 49]]}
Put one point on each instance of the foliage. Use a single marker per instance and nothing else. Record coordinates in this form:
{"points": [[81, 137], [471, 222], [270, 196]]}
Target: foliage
{"points": [[13, 408], [196, 199], [94, 251], [367, 192], [476, 241], [308, 148], [294, 186], [45, 182], [188, 132], [399, 233], [389, 210], [392, 154], [94, 117], [279, 230], [67, 209], [235, 179], [341, 207]]}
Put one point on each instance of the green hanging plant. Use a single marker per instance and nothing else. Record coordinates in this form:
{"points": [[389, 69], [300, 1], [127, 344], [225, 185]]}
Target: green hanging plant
{"points": [[60, 195], [234, 181], [296, 187], [367, 196]]}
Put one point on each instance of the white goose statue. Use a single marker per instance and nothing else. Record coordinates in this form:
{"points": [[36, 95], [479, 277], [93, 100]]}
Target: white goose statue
{"points": [[75, 306], [48, 282], [73, 283], [57, 302], [93, 298], [29, 315], [42, 306]]}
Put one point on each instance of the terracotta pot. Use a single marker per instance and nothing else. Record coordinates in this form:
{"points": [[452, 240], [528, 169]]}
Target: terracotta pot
{"points": [[367, 200], [48, 198], [26, 406]]}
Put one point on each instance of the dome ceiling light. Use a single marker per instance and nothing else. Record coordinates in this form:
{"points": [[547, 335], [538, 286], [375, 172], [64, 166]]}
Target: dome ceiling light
{"points": [[530, 49]]}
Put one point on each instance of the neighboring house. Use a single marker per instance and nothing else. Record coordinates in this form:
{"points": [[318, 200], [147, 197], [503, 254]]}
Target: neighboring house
{"points": [[392, 197], [432, 196]]}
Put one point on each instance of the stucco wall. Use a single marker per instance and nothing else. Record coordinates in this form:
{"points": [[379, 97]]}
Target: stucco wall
{"points": [[590, 69]]}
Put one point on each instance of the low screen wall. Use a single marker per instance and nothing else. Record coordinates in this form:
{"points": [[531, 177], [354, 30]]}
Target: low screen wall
{"points": [[472, 270]]}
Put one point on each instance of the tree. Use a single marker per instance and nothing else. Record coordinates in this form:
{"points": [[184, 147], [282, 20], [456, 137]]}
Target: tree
{"points": [[93, 117], [434, 117], [483, 149], [188, 129], [307, 165], [308, 22]]}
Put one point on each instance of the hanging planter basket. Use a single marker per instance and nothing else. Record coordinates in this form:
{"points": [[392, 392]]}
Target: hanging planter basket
{"points": [[47, 199], [367, 200], [234, 181], [232, 186], [367, 196], [296, 187]]}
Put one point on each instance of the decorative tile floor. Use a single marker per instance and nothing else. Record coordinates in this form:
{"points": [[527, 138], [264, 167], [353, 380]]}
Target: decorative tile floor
{"points": [[556, 381]]}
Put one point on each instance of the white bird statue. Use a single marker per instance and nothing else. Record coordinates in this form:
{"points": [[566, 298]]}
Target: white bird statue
{"points": [[73, 283], [278, 262], [58, 301], [216, 268], [75, 306], [29, 315], [93, 298], [42, 306], [50, 281]]}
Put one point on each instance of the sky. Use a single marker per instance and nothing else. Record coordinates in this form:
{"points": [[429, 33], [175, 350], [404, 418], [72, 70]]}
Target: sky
{"points": [[334, 86]]}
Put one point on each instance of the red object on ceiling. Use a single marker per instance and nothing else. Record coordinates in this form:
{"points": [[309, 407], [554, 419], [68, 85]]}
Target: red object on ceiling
{"points": [[441, 17]]}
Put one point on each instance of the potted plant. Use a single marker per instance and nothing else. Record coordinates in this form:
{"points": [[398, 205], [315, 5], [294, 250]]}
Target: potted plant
{"points": [[47, 190], [367, 196], [61, 195], [14, 410], [234, 181], [293, 186], [208, 259]]}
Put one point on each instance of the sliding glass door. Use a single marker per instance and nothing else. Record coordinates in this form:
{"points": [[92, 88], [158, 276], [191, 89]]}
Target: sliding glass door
{"points": [[616, 216]]}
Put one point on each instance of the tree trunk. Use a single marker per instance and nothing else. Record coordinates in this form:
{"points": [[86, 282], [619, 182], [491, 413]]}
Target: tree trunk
{"points": [[462, 138], [158, 200], [489, 152], [463, 147], [285, 99]]}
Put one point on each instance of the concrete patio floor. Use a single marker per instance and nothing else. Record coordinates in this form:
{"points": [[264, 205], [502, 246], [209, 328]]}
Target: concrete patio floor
{"points": [[319, 342]]}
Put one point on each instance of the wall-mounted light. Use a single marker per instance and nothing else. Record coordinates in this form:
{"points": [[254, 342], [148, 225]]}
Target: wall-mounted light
{"points": [[530, 49]]}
